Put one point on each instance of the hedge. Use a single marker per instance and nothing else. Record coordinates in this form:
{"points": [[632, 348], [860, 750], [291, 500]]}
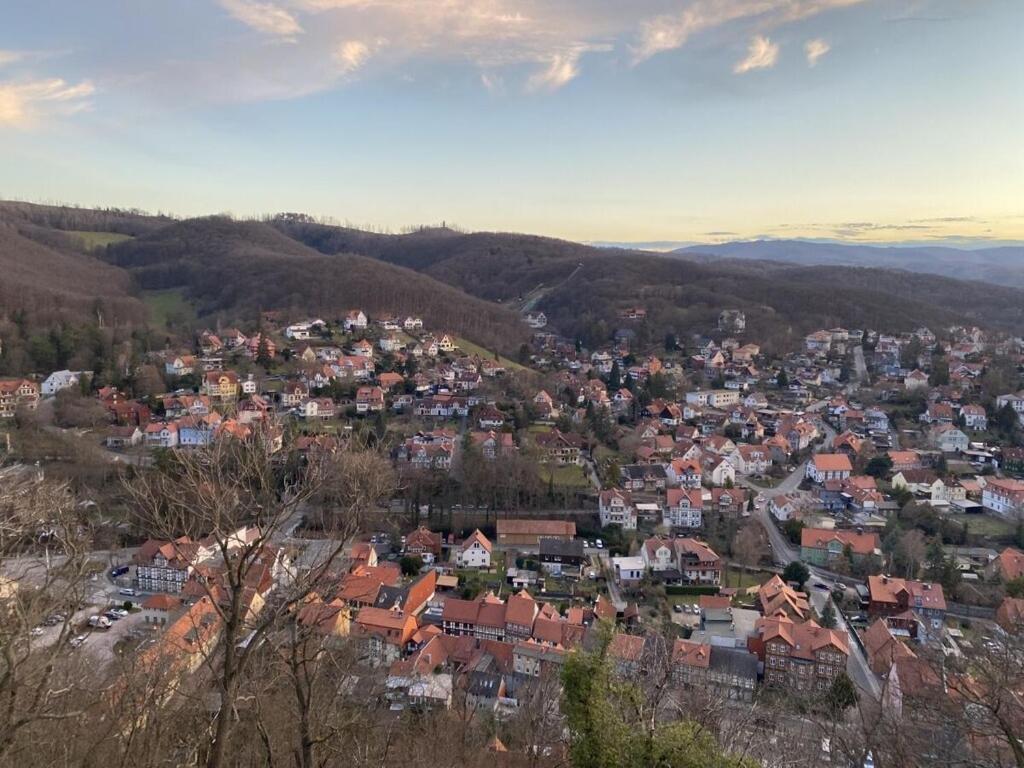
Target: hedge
{"points": [[692, 590]]}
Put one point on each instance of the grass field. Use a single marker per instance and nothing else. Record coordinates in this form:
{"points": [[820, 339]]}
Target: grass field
{"points": [[167, 306], [472, 349], [93, 240], [986, 525], [570, 476], [739, 579]]}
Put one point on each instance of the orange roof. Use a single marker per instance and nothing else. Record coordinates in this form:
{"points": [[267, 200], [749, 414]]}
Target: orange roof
{"points": [[819, 538], [886, 589], [832, 462], [474, 537], [803, 639], [1011, 564], [691, 654]]}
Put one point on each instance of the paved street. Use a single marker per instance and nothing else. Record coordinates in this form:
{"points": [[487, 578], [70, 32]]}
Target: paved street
{"points": [[783, 553]]}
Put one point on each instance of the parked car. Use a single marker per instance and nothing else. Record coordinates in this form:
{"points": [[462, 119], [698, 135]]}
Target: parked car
{"points": [[77, 640], [678, 608], [127, 591], [599, 544], [37, 631]]}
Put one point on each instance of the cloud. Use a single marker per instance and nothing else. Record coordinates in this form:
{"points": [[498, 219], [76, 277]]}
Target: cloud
{"points": [[351, 55], [762, 53], [667, 32], [815, 49], [267, 18], [562, 68], [9, 57], [24, 104]]}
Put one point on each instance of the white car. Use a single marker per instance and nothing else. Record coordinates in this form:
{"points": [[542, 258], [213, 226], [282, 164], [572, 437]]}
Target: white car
{"points": [[599, 544], [78, 640]]}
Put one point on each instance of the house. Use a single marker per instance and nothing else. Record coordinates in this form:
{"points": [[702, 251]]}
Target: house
{"points": [[730, 673], [493, 444], [799, 656], [1009, 565], [536, 319], [948, 438], [684, 473], [384, 634], [369, 400], [321, 408], [16, 394], [914, 603], [902, 460], [713, 398], [785, 506], [751, 460], [475, 551], [1004, 497], [684, 508], [697, 562], [974, 418], [180, 365], [528, 533], [560, 448], [628, 570], [829, 466], [158, 609], [354, 319], [220, 386], [659, 555], [161, 434], [719, 470], [616, 508], [123, 437], [775, 598], [822, 546], [915, 380], [562, 558], [424, 543]]}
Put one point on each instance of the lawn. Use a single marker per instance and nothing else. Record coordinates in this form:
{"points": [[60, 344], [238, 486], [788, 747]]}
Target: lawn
{"points": [[737, 578], [570, 476], [93, 240], [538, 429], [168, 306], [989, 526], [472, 349]]}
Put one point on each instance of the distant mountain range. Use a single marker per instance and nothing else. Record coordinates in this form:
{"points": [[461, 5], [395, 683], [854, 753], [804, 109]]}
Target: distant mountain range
{"points": [[1000, 266]]}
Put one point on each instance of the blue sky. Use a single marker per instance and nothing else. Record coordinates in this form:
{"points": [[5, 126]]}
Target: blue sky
{"points": [[597, 120]]}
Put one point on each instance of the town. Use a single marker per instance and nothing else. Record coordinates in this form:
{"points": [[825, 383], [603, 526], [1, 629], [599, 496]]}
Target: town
{"points": [[807, 535]]}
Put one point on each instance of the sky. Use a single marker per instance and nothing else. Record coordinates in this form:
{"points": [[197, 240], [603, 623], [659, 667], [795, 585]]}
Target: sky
{"points": [[662, 121]]}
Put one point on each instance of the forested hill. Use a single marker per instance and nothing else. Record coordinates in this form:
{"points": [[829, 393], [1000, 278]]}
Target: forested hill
{"points": [[241, 267], [581, 288], [61, 261]]}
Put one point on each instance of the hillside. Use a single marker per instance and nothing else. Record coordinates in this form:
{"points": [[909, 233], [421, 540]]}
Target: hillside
{"points": [[1000, 266], [496, 266], [51, 279], [238, 268], [581, 288]]}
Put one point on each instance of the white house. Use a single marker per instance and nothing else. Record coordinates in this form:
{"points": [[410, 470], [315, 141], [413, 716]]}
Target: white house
{"points": [[1004, 497], [784, 507], [949, 439], [658, 554], [684, 508], [616, 508], [475, 551], [355, 319], [829, 466], [59, 380], [182, 365], [628, 569]]}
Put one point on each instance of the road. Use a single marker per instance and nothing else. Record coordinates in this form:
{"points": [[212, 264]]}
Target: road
{"points": [[784, 552], [860, 368]]}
